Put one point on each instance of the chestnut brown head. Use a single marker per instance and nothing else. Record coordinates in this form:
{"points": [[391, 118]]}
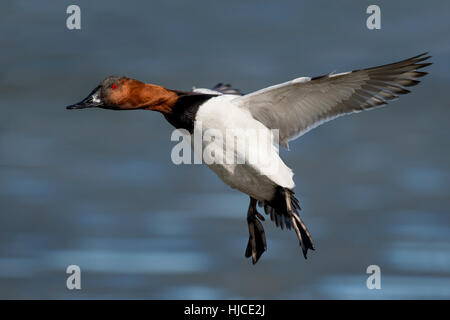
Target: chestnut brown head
{"points": [[122, 93]]}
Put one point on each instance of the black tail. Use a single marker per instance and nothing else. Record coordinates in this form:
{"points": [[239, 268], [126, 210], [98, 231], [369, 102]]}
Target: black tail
{"points": [[282, 216]]}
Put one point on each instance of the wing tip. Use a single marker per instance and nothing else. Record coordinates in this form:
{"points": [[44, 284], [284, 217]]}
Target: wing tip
{"points": [[227, 89]]}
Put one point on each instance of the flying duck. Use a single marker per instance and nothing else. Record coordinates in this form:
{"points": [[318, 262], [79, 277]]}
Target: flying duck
{"points": [[290, 109]]}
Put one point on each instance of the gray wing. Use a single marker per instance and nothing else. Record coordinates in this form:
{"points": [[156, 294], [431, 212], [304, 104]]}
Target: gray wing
{"points": [[297, 106], [227, 89], [219, 89]]}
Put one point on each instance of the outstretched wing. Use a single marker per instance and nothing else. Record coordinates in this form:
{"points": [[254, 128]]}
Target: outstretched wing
{"points": [[297, 106], [227, 89], [219, 89]]}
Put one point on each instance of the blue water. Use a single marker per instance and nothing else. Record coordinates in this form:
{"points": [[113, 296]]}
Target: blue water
{"points": [[97, 188]]}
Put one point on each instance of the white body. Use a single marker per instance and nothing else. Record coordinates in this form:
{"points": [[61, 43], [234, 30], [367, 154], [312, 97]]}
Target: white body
{"points": [[255, 179]]}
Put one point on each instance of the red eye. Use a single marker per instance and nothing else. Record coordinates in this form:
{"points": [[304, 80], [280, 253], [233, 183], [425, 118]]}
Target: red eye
{"points": [[114, 86]]}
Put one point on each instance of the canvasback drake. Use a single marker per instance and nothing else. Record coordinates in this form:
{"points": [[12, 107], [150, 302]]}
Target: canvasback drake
{"points": [[293, 108]]}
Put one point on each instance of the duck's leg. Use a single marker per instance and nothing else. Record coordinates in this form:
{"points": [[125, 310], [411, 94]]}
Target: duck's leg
{"points": [[303, 235], [257, 239]]}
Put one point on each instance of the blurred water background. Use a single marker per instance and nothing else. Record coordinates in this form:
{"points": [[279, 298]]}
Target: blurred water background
{"points": [[97, 188]]}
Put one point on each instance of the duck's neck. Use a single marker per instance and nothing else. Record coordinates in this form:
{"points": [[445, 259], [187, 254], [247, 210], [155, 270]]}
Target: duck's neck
{"points": [[183, 112], [155, 98], [178, 107]]}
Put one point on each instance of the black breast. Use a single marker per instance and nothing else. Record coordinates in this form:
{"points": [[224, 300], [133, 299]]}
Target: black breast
{"points": [[185, 109]]}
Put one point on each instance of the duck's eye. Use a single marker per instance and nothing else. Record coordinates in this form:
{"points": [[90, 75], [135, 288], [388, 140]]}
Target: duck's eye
{"points": [[114, 86]]}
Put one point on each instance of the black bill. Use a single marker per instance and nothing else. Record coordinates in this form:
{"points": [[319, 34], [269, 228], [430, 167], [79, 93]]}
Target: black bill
{"points": [[93, 100]]}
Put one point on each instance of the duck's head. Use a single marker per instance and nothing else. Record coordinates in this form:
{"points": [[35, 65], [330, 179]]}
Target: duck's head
{"points": [[122, 93]]}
